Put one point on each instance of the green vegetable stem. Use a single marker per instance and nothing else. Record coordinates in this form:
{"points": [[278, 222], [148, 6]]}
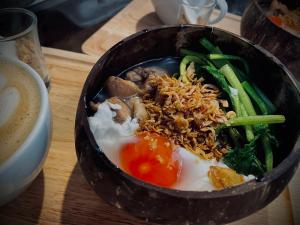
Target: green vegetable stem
{"points": [[221, 62], [255, 120], [183, 66], [248, 129], [235, 83], [252, 93], [231, 57]]}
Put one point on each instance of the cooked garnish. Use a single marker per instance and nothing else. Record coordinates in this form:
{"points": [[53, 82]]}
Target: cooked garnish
{"points": [[188, 114], [222, 177]]}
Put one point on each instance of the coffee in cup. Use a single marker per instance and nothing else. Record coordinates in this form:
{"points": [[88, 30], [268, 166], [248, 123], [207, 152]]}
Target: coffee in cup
{"points": [[19, 107], [25, 127]]}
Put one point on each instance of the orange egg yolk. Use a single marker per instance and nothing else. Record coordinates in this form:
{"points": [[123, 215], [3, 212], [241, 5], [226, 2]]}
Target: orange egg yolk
{"points": [[152, 159]]}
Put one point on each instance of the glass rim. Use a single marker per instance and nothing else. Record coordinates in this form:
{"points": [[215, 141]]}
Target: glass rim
{"points": [[208, 4], [26, 30]]}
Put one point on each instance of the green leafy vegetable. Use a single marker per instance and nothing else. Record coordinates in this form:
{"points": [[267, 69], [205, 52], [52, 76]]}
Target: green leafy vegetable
{"points": [[183, 66], [221, 62], [235, 136], [230, 57], [268, 152], [265, 99], [252, 93], [219, 78], [244, 160], [255, 120], [248, 129], [234, 81], [186, 52]]}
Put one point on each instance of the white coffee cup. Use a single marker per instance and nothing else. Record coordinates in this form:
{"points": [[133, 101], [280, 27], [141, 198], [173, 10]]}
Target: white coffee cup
{"points": [[173, 12], [23, 166]]}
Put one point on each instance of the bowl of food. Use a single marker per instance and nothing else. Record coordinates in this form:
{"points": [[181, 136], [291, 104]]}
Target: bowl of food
{"points": [[187, 125], [275, 25]]}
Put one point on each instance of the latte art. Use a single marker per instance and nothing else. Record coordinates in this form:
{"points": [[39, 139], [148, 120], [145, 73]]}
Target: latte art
{"points": [[19, 107], [9, 101]]}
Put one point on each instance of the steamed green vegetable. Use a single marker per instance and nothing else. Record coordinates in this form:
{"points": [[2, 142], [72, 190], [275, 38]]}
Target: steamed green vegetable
{"points": [[230, 57], [235, 83], [243, 95], [252, 93], [244, 159], [185, 62], [255, 120]]}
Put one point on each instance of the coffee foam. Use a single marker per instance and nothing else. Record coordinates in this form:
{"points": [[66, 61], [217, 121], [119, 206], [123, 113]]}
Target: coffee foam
{"points": [[9, 101], [3, 81], [19, 107]]}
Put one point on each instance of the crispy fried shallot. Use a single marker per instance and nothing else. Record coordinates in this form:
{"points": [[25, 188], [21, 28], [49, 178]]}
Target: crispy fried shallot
{"points": [[186, 113]]}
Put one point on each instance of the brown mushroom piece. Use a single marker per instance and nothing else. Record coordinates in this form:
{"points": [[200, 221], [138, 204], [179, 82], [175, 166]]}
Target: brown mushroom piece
{"points": [[121, 88], [134, 76], [147, 86], [141, 74], [138, 108], [94, 106], [123, 113]]}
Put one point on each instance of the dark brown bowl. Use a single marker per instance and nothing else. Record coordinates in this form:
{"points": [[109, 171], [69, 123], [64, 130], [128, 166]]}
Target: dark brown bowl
{"points": [[256, 27], [169, 206]]}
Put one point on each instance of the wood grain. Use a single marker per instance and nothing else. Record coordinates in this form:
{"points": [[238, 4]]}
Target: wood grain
{"points": [[136, 16], [60, 194]]}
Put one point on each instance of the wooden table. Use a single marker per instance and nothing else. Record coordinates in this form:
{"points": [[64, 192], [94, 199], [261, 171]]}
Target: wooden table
{"points": [[60, 194], [136, 16]]}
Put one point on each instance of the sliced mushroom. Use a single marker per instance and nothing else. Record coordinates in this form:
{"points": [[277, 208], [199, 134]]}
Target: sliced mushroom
{"points": [[138, 108], [121, 88], [94, 106], [148, 86], [141, 73], [134, 76], [123, 113], [140, 76]]}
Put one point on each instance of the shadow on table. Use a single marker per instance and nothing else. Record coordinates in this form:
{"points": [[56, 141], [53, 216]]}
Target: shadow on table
{"points": [[81, 205], [28, 203], [148, 21]]}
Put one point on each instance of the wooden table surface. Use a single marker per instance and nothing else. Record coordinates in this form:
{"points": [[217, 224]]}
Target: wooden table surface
{"points": [[60, 194], [136, 16]]}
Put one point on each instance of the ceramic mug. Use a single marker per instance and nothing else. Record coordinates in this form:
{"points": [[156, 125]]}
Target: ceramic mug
{"points": [[173, 12], [24, 164]]}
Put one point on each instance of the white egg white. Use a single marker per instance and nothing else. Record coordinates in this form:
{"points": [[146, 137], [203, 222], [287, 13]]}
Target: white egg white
{"points": [[110, 135]]}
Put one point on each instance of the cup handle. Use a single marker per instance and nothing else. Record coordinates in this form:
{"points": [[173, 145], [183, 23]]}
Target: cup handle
{"points": [[223, 10]]}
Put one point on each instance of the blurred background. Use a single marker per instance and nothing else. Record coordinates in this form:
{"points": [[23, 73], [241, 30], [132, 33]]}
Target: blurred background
{"points": [[66, 24]]}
